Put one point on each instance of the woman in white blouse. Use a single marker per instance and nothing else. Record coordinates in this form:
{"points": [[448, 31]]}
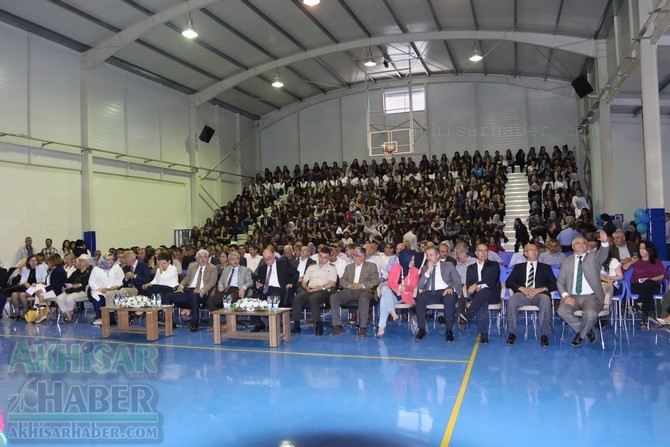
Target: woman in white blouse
{"points": [[166, 278]]}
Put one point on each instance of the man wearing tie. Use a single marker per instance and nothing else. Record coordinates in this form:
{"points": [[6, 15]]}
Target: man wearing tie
{"points": [[273, 278], [440, 284], [199, 280], [580, 287], [532, 283], [483, 281], [235, 280]]}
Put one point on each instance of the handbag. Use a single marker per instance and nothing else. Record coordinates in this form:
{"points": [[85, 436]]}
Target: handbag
{"points": [[413, 323], [30, 316]]}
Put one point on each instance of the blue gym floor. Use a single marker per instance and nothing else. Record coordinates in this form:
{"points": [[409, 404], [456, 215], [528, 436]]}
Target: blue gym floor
{"points": [[346, 391]]}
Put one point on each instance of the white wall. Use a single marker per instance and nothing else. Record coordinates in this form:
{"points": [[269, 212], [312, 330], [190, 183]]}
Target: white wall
{"points": [[458, 116], [132, 201]]}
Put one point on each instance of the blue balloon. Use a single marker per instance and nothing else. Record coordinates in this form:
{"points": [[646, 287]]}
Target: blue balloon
{"points": [[642, 228], [637, 221], [639, 212], [645, 218]]}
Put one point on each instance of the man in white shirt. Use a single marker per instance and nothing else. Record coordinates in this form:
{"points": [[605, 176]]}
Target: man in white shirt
{"points": [[253, 258]]}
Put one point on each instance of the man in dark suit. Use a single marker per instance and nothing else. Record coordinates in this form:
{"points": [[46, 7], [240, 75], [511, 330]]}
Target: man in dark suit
{"points": [[622, 249], [358, 283], [440, 283], [483, 283], [580, 287], [195, 287], [532, 283], [275, 277], [136, 273]]}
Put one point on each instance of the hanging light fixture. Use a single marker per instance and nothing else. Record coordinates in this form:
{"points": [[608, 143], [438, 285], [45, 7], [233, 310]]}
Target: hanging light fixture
{"points": [[476, 54], [277, 83], [311, 2], [189, 31], [370, 61]]}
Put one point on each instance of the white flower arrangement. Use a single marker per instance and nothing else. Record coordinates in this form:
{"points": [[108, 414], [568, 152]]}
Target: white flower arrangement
{"points": [[139, 301], [249, 305]]}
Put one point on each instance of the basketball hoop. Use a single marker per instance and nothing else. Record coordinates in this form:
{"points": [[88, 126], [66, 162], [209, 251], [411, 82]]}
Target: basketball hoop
{"points": [[389, 148]]}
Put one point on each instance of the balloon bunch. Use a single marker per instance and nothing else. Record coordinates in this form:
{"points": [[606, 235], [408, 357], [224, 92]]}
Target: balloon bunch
{"points": [[641, 220]]}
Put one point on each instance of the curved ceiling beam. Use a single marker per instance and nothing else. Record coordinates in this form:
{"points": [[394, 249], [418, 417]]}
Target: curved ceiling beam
{"points": [[108, 48], [585, 47]]}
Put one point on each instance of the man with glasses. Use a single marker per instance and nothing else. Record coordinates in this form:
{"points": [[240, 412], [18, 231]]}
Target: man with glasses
{"points": [[274, 277], [532, 283]]}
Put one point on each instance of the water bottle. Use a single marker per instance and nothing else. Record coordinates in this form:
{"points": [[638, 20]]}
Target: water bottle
{"points": [[153, 300], [117, 300]]}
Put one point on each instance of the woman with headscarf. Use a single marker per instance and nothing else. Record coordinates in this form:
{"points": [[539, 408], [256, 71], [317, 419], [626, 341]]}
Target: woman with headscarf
{"points": [[403, 280], [104, 279]]}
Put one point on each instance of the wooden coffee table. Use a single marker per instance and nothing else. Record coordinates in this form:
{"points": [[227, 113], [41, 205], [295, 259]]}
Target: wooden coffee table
{"points": [[151, 328], [279, 327]]}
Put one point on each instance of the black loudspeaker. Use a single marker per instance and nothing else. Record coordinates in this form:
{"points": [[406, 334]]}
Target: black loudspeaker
{"points": [[582, 86], [206, 134]]}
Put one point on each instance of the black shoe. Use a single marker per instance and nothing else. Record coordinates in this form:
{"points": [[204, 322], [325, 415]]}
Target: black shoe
{"points": [[484, 338], [604, 323], [259, 327], [544, 341], [511, 339], [295, 329], [194, 328], [318, 328], [591, 336], [362, 332], [337, 330], [440, 319], [577, 341], [449, 337], [420, 335]]}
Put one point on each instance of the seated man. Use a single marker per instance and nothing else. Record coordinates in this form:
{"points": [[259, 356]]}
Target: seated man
{"points": [[532, 283], [136, 274], [235, 280], [192, 290], [358, 283], [622, 249], [316, 285], [483, 283], [437, 288], [274, 277], [581, 289]]}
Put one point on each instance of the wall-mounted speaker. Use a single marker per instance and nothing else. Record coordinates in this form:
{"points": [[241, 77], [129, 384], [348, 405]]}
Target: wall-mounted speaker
{"points": [[206, 134], [582, 86]]}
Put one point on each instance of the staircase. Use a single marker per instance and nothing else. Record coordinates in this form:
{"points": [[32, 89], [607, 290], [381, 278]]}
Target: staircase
{"points": [[516, 204]]}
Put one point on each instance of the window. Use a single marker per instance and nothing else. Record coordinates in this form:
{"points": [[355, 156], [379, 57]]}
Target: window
{"points": [[397, 100]]}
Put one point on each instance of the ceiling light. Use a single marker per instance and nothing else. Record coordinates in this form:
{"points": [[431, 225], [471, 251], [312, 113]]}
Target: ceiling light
{"points": [[476, 54], [189, 31], [311, 2], [277, 83], [369, 62]]}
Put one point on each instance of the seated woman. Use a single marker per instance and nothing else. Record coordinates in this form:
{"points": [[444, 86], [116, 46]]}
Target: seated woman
{"points": [[54, 284], [103, 282], [31, 275], [75, 287], [403, 279], [648, 272], [166, 278], [69, 264]]}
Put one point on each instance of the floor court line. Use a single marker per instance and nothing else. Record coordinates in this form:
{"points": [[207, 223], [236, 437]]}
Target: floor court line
{"points": [[255, 351], [459, 399]]}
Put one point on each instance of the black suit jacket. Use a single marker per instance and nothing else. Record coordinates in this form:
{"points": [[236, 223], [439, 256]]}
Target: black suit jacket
{"points": [[143, 273], [286, 274], [490, 275], [544, 277]]}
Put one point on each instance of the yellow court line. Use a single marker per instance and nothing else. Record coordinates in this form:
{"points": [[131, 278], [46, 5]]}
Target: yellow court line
{"points": [[459, 399], [255, 351]]}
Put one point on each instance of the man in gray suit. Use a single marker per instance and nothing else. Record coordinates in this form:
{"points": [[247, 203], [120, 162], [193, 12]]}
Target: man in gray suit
{"points": [[235, 280], [580, 287], [622, 249], [440, 283], [358, 283]]}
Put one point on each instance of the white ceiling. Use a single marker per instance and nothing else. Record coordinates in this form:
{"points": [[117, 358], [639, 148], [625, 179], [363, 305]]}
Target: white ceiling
{"points": [[320, 50]]}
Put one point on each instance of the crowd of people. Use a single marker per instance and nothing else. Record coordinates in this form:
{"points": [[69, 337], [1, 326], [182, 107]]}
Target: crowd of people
{"points": [[364, 232]]}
